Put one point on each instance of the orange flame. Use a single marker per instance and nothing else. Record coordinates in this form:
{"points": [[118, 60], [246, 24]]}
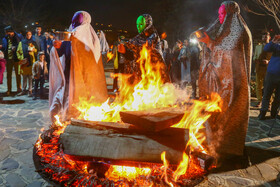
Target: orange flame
{"points": [[59, 126], [165, 167], [148, 94], [195, 118], [110, 56], [182, 168]]}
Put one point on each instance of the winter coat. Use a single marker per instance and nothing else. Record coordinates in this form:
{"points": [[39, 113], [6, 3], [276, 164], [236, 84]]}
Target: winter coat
{"points": [[15, 42], [23, 53], [37, 72]]}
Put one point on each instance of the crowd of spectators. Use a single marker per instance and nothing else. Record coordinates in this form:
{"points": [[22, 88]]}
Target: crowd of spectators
{"points": [[29, 57]]}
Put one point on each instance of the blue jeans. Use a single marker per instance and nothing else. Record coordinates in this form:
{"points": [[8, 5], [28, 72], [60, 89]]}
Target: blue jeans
{"points": [[272, 82]]}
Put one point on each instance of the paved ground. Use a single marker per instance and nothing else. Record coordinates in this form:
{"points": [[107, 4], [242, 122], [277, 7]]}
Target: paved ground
{"points": [[21, 119]]}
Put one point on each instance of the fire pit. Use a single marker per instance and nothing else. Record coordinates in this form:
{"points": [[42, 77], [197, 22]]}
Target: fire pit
{"points": [[61, 169], [154, 147]]}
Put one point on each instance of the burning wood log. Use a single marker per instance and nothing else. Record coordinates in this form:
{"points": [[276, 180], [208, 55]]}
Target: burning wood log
{"points": [[205, 161], [153, 120], [122, 143]]}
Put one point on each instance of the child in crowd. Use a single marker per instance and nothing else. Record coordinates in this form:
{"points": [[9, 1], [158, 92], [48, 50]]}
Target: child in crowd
{"points": [[2, 66], [40, 74]]}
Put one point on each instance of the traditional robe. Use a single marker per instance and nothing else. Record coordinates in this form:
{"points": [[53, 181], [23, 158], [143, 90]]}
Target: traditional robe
{"points": [[225, 69], [86, 73]]}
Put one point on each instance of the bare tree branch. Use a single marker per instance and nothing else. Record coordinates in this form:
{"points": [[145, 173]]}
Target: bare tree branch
{"points": [[21, 12], [246, 8], [269, 7]]}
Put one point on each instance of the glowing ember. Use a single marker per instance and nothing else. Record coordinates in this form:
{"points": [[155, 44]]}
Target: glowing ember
{"points": [[130, 173]]}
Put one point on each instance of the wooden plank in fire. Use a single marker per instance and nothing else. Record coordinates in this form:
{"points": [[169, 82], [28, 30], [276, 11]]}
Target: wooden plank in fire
{"points": [[156, 120], [122, 142]]}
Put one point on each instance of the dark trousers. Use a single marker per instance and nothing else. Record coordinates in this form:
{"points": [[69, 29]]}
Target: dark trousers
{"points": [[194, 78], [272, 82], [176, 72], [40, 81], [10, 65], [119, 70]]}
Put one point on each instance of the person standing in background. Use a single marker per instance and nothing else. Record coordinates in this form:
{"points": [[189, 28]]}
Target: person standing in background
{"points": [[176, 64], [272, 79], [119, 60], [194, 58], [39, 38], [261, 59], [104, 46], [39, 73], [9, 46], [26, 53], [2, 66], [48, 46], [185, 64], [164, 45]]}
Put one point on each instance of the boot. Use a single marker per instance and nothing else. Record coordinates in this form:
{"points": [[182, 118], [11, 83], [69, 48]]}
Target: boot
{"points": [[274, 110], [30, 94], [22, 93], [273, 113], [262, 115], [8, 93]]}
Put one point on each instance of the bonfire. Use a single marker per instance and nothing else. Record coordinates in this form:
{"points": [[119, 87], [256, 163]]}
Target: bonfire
{"points": [[150, 94]]}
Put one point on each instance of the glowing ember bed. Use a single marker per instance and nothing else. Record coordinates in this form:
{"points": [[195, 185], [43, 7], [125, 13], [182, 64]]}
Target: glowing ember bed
{"points": [[80, 169]]}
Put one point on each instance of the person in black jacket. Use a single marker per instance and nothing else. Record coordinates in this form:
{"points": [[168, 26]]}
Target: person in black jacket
{"points": [[9, 46]]}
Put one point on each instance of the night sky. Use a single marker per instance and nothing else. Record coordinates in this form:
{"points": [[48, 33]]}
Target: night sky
{"points": [[123, 13], [176, 17]]}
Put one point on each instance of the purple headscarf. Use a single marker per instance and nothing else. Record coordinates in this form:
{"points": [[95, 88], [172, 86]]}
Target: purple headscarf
{"points": [[77, 19]]}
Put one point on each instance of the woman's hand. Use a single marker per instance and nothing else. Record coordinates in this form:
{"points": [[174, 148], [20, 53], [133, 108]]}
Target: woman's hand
{"points": [[206, 39]]}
